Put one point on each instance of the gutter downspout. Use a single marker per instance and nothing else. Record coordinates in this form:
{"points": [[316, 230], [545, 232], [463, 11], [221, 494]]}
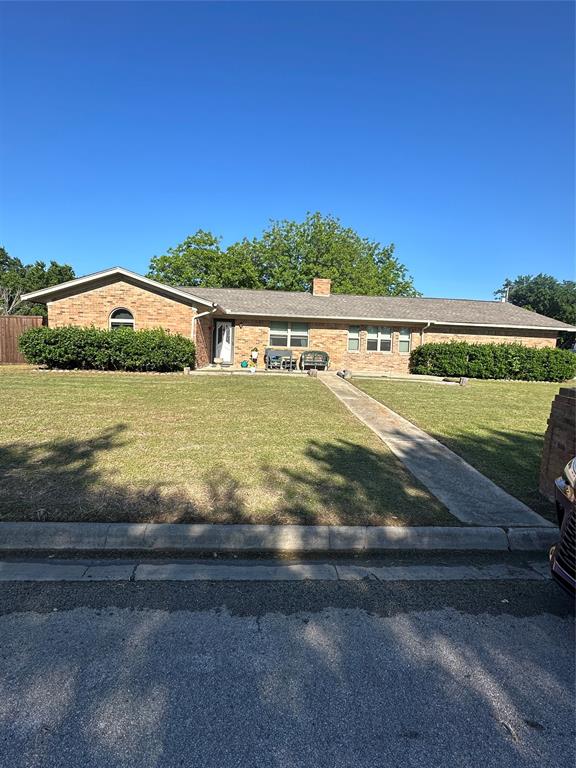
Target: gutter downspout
{"points": [[425, 328]]}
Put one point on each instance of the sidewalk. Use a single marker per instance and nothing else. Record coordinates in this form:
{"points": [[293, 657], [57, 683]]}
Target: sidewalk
{"points": [[468, 495]]}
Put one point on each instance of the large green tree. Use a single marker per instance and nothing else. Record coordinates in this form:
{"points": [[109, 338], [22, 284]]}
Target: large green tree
{"points": [[17, 278], [200, 260], [543, 294], [287, 256]]}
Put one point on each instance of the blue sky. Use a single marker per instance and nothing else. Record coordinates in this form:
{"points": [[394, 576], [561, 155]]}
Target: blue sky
{"points": [[446, 128]]}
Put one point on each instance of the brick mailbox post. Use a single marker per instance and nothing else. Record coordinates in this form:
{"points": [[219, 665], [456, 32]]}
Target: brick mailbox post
{"points": [[559, 440]]}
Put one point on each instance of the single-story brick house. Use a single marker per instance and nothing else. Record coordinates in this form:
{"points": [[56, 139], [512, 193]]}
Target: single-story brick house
{"points": [[363, 333]]}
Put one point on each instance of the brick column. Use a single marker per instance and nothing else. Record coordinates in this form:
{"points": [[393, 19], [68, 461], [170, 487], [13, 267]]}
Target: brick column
{"points": [[559, 440]]}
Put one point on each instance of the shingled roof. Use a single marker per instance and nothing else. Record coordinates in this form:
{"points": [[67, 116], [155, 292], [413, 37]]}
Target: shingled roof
{"points": [[286, 304], [306, 306]]}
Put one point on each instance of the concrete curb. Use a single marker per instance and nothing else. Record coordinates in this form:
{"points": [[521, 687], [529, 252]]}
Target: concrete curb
{"points": [[95, 570], [532, 538], [168, 537]]}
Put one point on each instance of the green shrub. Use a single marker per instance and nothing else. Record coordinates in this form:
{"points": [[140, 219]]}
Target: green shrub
{"points": [[121, 349], [493, 361]]}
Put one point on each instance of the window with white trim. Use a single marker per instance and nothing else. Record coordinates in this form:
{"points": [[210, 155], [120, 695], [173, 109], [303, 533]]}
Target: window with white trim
{"points": [[121, 318], [404, 340], [378, 339], [353, 338], [288, 334]]}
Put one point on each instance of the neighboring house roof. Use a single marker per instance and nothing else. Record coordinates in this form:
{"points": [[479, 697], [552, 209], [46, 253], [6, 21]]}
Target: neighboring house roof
{"points": [[71, 287], [393, 309]]}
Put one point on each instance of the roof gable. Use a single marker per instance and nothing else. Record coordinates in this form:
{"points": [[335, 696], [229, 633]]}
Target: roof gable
{"points": [[79, 284]]}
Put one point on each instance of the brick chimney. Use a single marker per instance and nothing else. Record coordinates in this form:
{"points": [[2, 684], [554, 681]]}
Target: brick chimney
{"points": [[321, 286]]}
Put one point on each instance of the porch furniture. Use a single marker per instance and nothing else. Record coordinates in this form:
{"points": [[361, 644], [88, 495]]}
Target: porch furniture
{"points": [[316, 360], [279, 359]]}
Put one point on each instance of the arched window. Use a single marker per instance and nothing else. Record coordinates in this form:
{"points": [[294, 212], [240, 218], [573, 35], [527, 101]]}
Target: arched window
{"points": [[121, 318]]}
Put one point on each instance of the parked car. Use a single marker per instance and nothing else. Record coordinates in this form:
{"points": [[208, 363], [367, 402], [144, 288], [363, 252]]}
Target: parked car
{"points": [[563, 554]]}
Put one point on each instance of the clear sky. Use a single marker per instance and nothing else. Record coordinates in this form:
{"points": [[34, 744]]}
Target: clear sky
{"points": [[446, 128]]}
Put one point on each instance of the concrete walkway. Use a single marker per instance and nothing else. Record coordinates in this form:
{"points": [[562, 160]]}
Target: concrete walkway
{"points": [[467, 494]]}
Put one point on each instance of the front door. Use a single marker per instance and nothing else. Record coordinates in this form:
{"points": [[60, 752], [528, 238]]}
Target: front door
{"points": [[223, 340]]}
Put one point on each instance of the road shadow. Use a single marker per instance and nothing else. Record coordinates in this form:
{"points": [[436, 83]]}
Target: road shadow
{"points": [[166, 686]]}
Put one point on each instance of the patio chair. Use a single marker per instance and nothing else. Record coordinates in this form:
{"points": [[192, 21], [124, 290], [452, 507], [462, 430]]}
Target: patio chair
{"points": [[314, 360], [279, 359]]}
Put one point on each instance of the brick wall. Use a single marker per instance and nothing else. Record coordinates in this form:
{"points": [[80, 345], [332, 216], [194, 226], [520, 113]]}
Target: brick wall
{"points": [[150, 310], [248, 334], [333, 338], [559, 441], [321, 286], [203, 340]]}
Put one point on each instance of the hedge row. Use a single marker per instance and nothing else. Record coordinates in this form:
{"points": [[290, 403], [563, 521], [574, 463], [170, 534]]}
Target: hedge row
{"points": [[493, 361], [121, 349]]}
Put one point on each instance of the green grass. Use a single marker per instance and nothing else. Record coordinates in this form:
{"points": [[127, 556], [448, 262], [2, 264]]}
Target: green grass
{"points": [[498, 427], [169, 448]]}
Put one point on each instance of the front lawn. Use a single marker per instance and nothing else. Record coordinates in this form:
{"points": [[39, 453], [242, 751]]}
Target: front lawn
{"points": [[497, 426], [146, 448]]}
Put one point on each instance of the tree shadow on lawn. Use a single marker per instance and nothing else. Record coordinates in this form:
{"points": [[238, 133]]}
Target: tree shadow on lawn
{"points": [[61, 481], [355, 486], [343, 483]]}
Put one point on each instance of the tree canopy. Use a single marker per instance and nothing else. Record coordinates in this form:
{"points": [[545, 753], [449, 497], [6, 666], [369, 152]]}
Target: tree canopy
{"points": [[287, 256], [17, 278], [543, 294], [201, 260]]}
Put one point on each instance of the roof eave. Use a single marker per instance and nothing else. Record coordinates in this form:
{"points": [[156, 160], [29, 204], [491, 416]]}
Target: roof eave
{"points": [[42, 295], [396, 320]]}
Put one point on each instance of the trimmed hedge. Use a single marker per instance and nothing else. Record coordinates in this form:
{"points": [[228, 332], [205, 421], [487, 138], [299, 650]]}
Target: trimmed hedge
{"points": [[493, 361], [121, 349]]}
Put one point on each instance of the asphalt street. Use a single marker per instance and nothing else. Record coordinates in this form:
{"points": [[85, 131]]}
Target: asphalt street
{"points": [[325, 673]]}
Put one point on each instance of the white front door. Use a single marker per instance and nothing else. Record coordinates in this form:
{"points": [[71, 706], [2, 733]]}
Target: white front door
{"points": [[223, 346]]}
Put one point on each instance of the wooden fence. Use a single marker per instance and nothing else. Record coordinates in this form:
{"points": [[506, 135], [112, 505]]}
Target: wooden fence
{"points": [[11, 328]]}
